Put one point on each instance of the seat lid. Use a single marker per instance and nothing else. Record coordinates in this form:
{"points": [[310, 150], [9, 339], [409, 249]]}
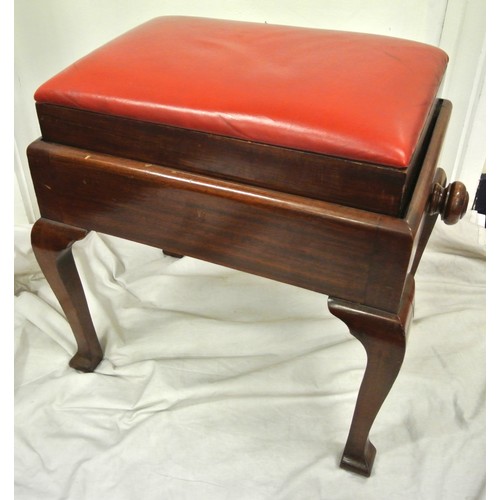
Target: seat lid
{"points": [[357, 96]]}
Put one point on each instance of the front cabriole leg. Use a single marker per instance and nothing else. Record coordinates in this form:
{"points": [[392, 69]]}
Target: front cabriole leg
{"points": [[383, 336], [52, 242]]}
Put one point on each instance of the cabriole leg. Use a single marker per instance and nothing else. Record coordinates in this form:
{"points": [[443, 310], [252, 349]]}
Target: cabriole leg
{"points": [[52, 242], [383, 336]]}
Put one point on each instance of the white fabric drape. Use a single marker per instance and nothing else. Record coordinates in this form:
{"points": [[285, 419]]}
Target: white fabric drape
{"points": [[221, 385]]}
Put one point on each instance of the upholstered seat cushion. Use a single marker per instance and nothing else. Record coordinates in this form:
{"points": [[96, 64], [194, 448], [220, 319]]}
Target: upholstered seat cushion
{"points": [[356, 96]]}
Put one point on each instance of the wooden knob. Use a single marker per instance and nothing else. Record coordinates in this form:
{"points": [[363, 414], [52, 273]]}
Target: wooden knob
{"points": [[450, 201]]}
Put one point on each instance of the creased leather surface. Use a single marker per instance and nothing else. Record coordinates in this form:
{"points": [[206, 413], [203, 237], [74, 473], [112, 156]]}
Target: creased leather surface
{"points": [[357, 96], [221, 385]]}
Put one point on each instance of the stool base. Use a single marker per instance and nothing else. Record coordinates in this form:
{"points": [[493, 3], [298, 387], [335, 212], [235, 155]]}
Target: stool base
{"points": [[382, 334], [363, 261]]}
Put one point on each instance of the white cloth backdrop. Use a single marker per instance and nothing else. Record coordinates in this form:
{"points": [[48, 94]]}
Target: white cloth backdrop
{"points": [[225, 386]]}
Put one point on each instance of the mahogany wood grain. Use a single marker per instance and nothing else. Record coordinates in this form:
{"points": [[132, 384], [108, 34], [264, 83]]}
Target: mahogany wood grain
{"points": [[383, 336], [316, 245], [426, 227], [349, 253], [303, 173], [424, 185], [52, 242]]}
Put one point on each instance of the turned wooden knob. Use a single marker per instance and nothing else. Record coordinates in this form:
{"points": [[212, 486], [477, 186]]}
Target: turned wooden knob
{"points": [[450, 201]]}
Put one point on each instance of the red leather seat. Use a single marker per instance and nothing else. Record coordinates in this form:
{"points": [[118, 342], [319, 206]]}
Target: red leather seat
{"points": [[356, 96]]}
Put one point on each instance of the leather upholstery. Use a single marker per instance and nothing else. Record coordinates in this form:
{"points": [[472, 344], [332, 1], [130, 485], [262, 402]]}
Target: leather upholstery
{"points": [[358, 96]]}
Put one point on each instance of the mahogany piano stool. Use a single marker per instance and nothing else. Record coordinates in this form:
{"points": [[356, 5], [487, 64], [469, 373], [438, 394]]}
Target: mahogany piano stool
{"points": [[307, 156]]}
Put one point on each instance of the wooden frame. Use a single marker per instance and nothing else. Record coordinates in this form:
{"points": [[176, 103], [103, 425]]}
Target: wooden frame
{"points": [[303, 173], [363, 260]]}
